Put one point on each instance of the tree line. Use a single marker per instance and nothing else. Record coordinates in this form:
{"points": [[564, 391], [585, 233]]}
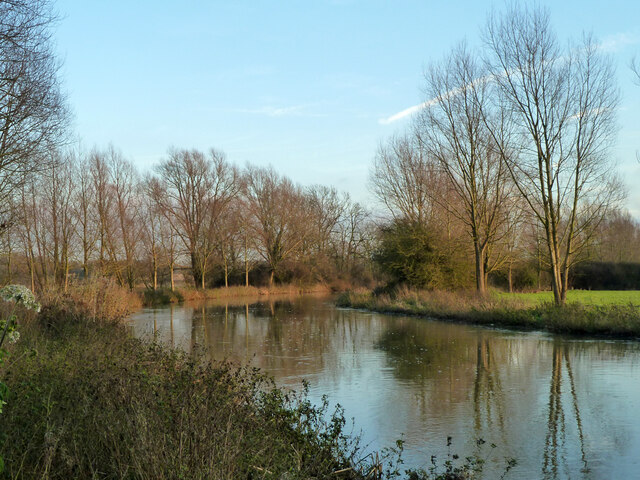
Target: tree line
{"points": [[94, 214], [504, 177]]}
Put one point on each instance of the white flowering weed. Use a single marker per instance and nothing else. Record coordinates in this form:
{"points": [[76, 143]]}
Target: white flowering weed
{"points": [[20, 294]]}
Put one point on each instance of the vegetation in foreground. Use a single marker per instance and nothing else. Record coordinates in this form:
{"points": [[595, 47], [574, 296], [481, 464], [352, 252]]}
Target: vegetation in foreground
{"points": [[85, 400], [88, 401], [586, 313]]}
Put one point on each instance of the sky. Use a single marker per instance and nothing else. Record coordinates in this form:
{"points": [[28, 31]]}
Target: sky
{"points": [[310, 87]]}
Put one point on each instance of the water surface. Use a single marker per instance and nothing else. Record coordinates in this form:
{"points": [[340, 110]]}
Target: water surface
{"points": [[564, 407]]}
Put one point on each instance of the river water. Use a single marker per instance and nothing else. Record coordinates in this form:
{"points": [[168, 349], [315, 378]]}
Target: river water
{"points": [[563, 407]]}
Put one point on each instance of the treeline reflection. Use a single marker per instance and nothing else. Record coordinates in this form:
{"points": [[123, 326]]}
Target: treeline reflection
{"points": [[544, 400]]}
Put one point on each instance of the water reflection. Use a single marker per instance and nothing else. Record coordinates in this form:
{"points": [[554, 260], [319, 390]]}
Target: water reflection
{"points": [[488, 399], [556, 439], [564, 408]]}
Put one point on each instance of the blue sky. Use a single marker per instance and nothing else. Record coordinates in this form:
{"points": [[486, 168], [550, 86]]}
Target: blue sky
{"points": [[305, 86]]}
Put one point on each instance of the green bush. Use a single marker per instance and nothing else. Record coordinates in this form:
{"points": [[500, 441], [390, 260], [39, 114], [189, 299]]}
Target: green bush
{"points": [[410, 254], [161, 296]]}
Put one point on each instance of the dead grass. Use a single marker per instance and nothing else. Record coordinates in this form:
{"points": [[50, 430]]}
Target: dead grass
{"points": [[240, 291], [95, 299]]}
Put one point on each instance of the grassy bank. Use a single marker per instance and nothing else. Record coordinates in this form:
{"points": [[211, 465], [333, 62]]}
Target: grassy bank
{"points": [[88, 401], [614, 314], [164, 295]]}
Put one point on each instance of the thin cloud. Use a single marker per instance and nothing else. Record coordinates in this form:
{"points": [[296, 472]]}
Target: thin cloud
{"points": [[407, 112], [618, 41], [271, 111]]}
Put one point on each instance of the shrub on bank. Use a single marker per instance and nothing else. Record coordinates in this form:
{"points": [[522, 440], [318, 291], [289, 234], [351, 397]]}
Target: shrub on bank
{"points": [[97, 298]]}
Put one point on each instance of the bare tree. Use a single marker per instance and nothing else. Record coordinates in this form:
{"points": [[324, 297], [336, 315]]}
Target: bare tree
{"points": [[402, 177], [353, 237], [168, 238], [278, 208], [563, 103], [453, 133], [59, 221], [84, 208], [33, 113], [127, 230], [324, 209], [103, 209], [618, 238], [151, 228], [196, 189]]}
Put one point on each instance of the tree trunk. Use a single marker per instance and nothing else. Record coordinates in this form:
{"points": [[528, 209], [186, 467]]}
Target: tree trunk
{"points": [[195, 269], [155, 274], [66, 272], [9, 274], [480, 270]]}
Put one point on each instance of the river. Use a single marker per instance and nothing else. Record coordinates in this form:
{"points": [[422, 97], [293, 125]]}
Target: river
{"points": [[563, 407]]}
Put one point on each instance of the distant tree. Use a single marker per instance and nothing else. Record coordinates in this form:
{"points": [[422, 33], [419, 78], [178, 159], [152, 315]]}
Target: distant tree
{"points": [[57, 193], [151, 228], [324, 208], [617, 239], [103, 210], [196, 189], [166, 239], [84, 206], [563, 102], [404, 179], [353, 239], [127, 233], [280, 220]]}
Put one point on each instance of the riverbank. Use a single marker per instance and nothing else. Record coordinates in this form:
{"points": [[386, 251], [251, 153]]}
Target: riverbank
{"points": [[527, 311], [87, 400], [164, 296]]}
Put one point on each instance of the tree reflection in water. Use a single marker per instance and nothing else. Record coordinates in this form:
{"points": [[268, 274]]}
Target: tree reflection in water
{"points": [[556, 438], [487, 391], [427, 380]]}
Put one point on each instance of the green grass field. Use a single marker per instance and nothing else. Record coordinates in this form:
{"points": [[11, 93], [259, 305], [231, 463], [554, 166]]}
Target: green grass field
{"points": [[608, 313], [587, 297]]}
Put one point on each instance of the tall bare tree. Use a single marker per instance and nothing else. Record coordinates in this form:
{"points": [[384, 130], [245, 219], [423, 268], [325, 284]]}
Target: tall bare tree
{"points": [[453, 133], [33, 112], [59, 220], [127, 230], [84, 208], [563, 102]]}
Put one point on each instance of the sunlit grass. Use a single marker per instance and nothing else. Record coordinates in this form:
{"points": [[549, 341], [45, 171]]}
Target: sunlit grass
{"points": [[587, 297], [609, 313]]}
